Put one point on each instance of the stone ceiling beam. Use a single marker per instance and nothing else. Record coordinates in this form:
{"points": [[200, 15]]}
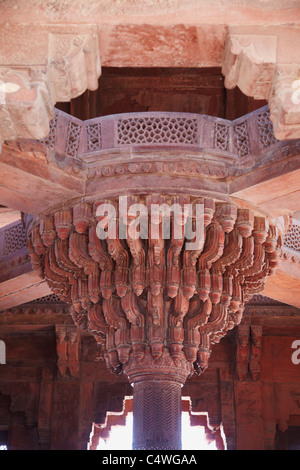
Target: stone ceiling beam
{"points": [[30, 183], [284, 286], [274, 187], [107, 12], [7, 216], [21, 289]]}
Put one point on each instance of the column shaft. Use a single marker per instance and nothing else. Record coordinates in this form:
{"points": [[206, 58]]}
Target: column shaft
{"points": [[157, 415]]}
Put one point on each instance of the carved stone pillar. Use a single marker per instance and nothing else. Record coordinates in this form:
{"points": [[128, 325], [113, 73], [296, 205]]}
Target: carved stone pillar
{"points": [[157, 280], [157, 415], [157, 400]]}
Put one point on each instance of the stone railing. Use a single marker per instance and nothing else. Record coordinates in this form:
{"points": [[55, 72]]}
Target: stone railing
{"points": [[236, 140]]}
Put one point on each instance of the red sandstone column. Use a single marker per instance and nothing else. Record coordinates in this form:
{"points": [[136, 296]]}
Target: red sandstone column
{"points": [[157, 307], [157, 387], [157, 415]]}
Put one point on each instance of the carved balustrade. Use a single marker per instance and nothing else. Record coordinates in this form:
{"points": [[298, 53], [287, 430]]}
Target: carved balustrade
{"points": [[235, 140]]}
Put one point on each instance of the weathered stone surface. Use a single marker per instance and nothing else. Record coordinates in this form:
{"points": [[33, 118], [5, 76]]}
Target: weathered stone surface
{"points": [[264, 64], [73, 38]]}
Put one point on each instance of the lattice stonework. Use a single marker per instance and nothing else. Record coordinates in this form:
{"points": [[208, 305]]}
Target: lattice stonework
{"points": [[52, 298], [292, 239], [221, 136], [49, 141], [15, 239], [265, 129], [94, 139], [73, 140], [242, 139], [157, 130]]}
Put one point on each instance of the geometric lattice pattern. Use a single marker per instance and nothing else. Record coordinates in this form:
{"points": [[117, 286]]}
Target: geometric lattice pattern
{"points": [[221, 136], [49, 141], [161, 129], [242, 139], [14, 239], [73, 141], [292, 238], [265, 128], [52, 298], [157, 130], [94, 140]]}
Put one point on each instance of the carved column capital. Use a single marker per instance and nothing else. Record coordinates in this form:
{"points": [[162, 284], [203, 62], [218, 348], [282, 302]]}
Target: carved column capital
{"points": [[155, 300], [165, 368], [157, 288]]}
